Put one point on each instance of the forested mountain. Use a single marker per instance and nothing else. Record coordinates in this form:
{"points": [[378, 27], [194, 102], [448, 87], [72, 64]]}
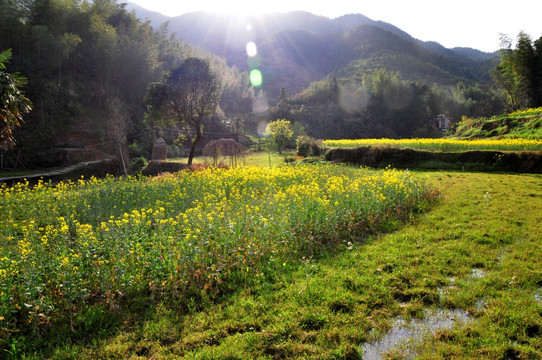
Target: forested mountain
{"points": [[192, 27], [297, 48]]}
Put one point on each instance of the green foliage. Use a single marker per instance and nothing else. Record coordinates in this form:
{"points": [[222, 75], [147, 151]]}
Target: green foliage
{"points": [[526, 124], [186, 95], [283, 109], [519, 73], [237, 94], [380, 103], [13, 103], [138, 164], [298, 130], [176, 151], [135, 150], [80, 57], [280, 131]]}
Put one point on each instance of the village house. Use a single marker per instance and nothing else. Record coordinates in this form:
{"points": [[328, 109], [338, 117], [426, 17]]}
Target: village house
{"points": [[442, 122]]}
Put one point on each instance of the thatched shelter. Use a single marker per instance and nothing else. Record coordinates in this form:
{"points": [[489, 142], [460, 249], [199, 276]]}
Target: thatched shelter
{"points": [[159, 149], [226, 148]]}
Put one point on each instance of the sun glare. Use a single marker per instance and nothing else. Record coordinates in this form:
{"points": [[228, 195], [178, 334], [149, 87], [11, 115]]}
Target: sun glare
{"points": [[238, 12], [240, 9]]}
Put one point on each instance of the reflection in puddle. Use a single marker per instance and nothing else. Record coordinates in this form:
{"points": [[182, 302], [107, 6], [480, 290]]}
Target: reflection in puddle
{"points": [[405, 333]]}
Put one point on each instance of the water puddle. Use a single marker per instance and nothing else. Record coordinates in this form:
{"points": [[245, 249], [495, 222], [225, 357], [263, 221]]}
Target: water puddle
{"points": [[538, 295], [477, 273], [480, 304], [405, 334], [445, 290]]}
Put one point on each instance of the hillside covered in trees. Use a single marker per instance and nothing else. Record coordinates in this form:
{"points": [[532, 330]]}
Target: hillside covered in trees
{"points": [[298, 48], [342, 76], [89, 65]]}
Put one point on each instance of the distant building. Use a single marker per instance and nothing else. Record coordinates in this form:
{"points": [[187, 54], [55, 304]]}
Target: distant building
{"points": [[442, 122]]}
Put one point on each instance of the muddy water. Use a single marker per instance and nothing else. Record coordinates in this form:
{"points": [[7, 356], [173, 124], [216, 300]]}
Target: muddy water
{"points": [[405, 334]]}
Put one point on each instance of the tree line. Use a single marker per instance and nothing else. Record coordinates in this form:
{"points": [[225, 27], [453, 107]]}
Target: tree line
{"points": [[88, 65], [381, 104], [519, 74]]}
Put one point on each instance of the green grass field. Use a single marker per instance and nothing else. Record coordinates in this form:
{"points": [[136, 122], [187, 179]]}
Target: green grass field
{"points": [[476, 251], [327, 308]]}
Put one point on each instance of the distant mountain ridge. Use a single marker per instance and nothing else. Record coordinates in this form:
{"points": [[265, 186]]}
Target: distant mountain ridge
{"points": [[298, 47], [291, 20]]}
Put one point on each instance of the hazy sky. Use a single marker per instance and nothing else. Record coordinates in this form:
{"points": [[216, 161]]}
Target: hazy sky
{"points": [[468, 23]]}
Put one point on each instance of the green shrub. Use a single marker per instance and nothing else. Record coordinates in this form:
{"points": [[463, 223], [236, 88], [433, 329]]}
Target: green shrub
{"points": [[289, 159], [138, 164]]}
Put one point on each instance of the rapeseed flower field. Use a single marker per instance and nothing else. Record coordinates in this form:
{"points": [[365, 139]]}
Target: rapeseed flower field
{"points": [[72, 246], [442, 144]]}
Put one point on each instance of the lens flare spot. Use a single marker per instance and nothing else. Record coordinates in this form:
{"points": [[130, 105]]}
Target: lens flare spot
{"points": [[262, 127], [252, 49], [352, 98], [256, 78], [248, 27]]}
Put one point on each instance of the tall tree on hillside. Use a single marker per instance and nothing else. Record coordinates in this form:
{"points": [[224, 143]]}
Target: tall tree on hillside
{"points": [[518, 74], [538, 71], [188, 94], [237, 98], [283, 109], [525, 68], [13, 103]]}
